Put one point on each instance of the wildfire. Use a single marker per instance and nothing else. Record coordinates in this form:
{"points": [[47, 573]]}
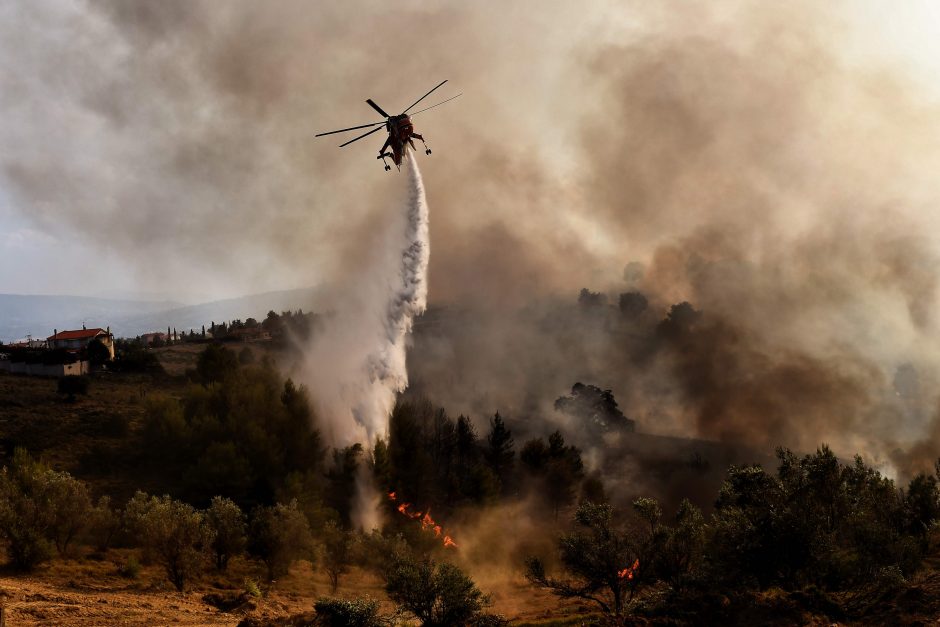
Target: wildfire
{"points": [[427, 523], [627, 573]]}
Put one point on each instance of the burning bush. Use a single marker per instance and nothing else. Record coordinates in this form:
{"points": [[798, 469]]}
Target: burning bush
{"points": [[601, 560]]}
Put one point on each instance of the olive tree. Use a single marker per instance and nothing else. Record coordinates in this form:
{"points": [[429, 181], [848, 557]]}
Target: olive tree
{"points": [[175, 533]]}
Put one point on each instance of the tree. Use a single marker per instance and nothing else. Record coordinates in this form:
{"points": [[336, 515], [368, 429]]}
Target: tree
{"points": [[337, 549], [342, 480], [279, 535], [27, 510], [601, 561], [71, 509], [632, 304], [104, 523], [556, 468], [174, 532], [683, 546], [216, 363], [595, 407], [227, 522], [591, 300], [72, 384], [500, 453], [679, 321], [439, 595], [98, 353]]}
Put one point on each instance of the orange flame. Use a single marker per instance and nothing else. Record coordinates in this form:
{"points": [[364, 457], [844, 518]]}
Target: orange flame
{"points": [[427, 523], [627, 573]]}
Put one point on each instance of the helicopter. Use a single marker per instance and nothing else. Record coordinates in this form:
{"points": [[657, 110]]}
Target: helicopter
{"points": [[399, 127]]}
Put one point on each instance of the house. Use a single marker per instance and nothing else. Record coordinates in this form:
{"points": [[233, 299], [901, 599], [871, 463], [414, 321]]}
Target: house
{"points": [[80, 339]]}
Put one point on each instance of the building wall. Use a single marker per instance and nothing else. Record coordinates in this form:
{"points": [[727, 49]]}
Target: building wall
{"points": [[44, 370]]}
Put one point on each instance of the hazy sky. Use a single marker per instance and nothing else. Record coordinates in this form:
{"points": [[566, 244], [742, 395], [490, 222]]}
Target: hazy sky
{"points": [[167, 148]]}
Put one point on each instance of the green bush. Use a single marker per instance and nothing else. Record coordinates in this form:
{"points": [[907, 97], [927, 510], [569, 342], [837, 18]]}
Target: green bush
{"points": [[439, 595], [349, 613], [130, 569], [173, 532], [39, 509]]}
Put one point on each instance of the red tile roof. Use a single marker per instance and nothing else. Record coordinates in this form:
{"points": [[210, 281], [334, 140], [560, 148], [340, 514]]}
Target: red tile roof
{"points": [[80, 334]]}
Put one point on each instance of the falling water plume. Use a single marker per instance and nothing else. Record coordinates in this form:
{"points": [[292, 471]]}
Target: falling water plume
{"points": [[357, 365]]}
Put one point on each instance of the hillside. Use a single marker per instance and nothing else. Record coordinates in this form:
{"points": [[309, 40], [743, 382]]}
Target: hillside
{"points": [[99, 439], [22, 315]]}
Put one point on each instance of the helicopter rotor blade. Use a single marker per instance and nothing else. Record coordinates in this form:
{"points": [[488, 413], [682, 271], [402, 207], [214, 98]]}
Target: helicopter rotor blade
{"points": [[361, 136], [351, 128], [437, 105], [376, 107], [423, 97]]}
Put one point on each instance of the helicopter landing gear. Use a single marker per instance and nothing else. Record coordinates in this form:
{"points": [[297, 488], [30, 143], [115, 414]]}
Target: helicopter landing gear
{"points": [[382, 157], [427, 150]]}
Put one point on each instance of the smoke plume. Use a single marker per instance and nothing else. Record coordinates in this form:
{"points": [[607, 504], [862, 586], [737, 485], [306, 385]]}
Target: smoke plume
{"points": [[771, 164], [355, 364]]}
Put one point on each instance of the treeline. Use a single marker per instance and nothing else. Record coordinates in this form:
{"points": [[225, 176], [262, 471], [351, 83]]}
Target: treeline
{"points": [[816, 528], [442, 462]]}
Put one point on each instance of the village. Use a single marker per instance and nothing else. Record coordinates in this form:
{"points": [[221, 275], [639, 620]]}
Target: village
{"points": [[77, 352]]}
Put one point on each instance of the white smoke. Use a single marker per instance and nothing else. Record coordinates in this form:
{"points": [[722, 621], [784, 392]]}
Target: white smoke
{"points": [[355, 365]]}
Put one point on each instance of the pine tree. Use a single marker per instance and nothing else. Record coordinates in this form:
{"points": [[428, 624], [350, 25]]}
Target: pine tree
{"points": [[500, 453]]}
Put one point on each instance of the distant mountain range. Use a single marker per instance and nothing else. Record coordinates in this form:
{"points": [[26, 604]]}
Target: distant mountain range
{"points": [[24, 315]]}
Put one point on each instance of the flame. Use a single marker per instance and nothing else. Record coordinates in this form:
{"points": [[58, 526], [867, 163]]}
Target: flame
{"points": [[427, 523], [627, 573]]}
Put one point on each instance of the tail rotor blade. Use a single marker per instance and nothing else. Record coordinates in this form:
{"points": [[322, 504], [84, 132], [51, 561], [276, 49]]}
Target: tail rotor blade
{"points": [[361, 136], [423, 97], [377, 108]]}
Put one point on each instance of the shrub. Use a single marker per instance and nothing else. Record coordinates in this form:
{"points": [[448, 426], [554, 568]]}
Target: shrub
{"points": [[130, 569], [72, 384], [350, 613], [439, 595], [251, 587]]}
